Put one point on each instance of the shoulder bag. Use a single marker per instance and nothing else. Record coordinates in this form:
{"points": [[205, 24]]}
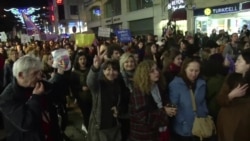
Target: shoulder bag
{"points": [[203, 127]]}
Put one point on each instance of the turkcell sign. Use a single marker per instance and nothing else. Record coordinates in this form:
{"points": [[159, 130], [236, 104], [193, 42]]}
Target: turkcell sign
{"points": [[123, 35], [223, 9], [228, 9]]}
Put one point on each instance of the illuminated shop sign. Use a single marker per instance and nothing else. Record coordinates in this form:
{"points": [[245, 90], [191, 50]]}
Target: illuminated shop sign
{"points": [[176, 4], [217, 10], [228, 9], [59, 2]]}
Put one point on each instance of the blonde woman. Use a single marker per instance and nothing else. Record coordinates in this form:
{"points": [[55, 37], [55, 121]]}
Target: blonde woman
{"points": [[47, 62], [127, 68]]}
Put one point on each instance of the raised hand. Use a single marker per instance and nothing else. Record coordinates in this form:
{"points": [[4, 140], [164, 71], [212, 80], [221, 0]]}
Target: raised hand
{"points": [[239, 91], [97, 62], [101, 52], [39, 88], [115, 111], [99, 58], [85, 88]]}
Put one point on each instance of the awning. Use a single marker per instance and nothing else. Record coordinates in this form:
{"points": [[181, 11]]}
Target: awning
{"points": [[179, 14]]}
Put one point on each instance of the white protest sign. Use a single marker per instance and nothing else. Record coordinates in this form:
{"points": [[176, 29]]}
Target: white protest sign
{"points": [[3, 36], [37, 37], [104, 32], [25, 38]]}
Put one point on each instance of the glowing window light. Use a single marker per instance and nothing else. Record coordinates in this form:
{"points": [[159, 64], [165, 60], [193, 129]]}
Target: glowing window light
{"points": [[52, 18], [59, 2]]}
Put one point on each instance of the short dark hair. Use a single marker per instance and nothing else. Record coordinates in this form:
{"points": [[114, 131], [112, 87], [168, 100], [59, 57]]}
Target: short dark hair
{"points": [[113, 63], [111, 49]]}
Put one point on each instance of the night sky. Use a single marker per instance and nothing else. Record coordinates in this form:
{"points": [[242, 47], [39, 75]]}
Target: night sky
{"points": [[22, 3], [7, 23]]}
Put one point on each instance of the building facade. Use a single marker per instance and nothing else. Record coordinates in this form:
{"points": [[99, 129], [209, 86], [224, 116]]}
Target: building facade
{"points": [[140, 16], [68, 14], [152, 16]]}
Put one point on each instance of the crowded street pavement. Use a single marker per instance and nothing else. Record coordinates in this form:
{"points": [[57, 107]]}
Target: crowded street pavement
{"points": [[73, 131]]}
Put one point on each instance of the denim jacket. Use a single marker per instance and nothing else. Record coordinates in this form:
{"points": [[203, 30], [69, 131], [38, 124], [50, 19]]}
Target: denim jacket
{"points": [[179, 95]]}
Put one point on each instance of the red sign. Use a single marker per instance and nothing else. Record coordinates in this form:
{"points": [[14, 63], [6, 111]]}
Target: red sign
{"points": [[52, 18], [59, 2]]}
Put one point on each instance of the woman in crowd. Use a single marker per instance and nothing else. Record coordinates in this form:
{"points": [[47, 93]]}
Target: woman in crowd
{"points": [[151, 52], [48, 70], [127, 68], [214, 73], [44, 49], [183, 48], [106, 94], [20, 50], [12, 57], [141, 50], [80, 89], [211, 47], [148, 111], [3, 57], [180, 90], [171, 64], [233, 119]]}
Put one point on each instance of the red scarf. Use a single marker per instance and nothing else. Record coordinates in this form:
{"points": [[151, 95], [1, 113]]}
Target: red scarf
{"points": [[174, 68]]}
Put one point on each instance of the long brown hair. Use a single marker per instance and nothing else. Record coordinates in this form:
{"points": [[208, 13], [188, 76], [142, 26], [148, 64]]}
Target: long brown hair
{"points": [[169, 57]]}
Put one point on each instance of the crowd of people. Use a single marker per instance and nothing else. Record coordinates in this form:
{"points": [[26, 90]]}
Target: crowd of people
{"points": [[136, 91]]}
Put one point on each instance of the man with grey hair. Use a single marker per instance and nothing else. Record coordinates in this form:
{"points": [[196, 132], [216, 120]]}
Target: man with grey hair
{"points": [[27, 103]]}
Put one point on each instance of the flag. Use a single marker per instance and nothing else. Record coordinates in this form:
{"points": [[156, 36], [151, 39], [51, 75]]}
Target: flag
{"points": [[31, 28]]}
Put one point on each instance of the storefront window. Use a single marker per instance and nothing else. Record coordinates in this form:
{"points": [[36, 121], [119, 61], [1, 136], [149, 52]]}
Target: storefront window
{"points": [[139, 4], [230, 23], [113, 8], [181, 25]]}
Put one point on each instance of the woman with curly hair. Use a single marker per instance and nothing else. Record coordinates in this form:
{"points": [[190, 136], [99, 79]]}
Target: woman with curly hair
{"points": [[148, 113]]}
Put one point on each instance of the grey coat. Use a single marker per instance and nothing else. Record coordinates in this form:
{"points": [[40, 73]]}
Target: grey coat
{"points": [[94, 132]]}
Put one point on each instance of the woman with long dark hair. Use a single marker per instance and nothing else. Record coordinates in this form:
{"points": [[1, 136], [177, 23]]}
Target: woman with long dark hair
{"points": [[79, 88], [233, 119]]}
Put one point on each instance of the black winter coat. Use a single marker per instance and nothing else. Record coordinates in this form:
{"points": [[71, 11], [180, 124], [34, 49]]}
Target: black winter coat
{"points": [[23, 116]]}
